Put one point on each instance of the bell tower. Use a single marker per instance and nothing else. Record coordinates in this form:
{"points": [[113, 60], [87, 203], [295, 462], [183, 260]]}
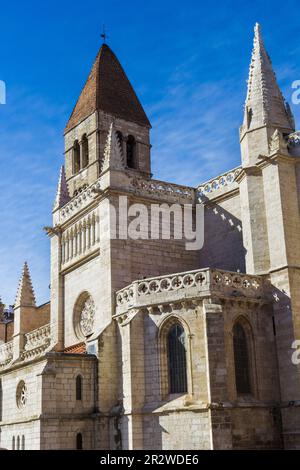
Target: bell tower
{"points": [[107, 97]]}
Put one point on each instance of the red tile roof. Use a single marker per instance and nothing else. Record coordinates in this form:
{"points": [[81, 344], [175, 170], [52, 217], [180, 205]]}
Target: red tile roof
{"points": [[79, 348], [108, 89]]}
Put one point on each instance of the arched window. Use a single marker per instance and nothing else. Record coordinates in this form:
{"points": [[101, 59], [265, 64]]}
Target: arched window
{"points": [[85, 151], [23, 442], [79, 441], [78, 387], [241, 360], [18, 443], [13, 443], [76, 157], [177, 359], [130, 150]]}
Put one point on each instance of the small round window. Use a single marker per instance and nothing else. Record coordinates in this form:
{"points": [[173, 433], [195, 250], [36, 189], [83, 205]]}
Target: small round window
{"points": [[21, 395]]}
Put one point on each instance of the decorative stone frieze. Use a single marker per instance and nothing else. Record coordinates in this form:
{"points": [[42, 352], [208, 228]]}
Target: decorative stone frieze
{"points": [[188, 285], [220, 182]]}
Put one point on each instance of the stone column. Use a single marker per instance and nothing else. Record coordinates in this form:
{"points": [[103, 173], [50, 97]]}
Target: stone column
{"points": [[57, 291], [217, 375], [133, 381]]}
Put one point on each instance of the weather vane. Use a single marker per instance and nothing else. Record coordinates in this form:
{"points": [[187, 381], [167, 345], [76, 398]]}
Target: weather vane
{"points": [[103, 34]]}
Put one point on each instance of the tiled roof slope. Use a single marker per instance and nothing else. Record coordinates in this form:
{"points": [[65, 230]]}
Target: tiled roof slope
{"points": [[108, 89]]}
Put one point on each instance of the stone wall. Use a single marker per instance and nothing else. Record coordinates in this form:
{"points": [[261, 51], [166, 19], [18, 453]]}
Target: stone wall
{"points": [[50, 417]]}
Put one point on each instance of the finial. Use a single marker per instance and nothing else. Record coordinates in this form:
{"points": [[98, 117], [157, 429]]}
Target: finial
{"points": [[103, 34], [257, 28]]}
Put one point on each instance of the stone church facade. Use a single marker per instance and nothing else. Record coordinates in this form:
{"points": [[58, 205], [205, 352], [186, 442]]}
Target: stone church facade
{"points": [[145, 344]]}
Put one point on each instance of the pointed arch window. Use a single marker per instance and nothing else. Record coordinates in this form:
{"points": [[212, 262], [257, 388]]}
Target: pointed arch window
{"points": [[78, 388], [85, 151], [13, 443], [131, 151], [79, 441], [76, 157], [241, 360], [176, 347]]}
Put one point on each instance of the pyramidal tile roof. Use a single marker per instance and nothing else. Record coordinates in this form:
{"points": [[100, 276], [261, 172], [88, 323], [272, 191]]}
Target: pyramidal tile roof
{"points": [[264, 97], [108, 89], [25, 295]]}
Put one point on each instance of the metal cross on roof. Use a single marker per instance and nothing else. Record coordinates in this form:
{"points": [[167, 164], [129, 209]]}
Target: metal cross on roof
{"points": [[103, 34]]}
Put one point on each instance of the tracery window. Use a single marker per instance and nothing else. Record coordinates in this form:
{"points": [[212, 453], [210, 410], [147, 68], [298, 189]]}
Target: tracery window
{"points": [[84, 316], [21, 394]]}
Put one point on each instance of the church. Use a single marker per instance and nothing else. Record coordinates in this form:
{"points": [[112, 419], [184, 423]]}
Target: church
{"points": [[145, 344]]}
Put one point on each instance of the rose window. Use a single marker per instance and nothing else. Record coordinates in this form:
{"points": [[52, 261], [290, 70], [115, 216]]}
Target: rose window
{"points": [[21, 394], [87, 315]]}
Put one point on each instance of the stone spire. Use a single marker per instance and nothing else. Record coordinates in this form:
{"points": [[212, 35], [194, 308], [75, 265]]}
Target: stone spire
{"points": [[25, 295], [113, 154], [62, 193], [265, 105]]}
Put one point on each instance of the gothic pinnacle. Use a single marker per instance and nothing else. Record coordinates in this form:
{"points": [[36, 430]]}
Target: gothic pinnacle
{"points": [[62, 193], [265, 104], [25, 295]]}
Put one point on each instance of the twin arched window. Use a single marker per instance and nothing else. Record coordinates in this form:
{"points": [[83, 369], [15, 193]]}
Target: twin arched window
{"points": [[130, 149], [80, 154], [241, 359], [175, 339]]}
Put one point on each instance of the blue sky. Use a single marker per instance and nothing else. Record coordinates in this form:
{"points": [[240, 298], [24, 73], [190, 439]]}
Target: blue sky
{"points": [[188, 62]]}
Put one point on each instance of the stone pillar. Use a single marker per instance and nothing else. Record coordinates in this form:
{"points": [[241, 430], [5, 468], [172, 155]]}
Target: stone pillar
{"points": [[283, 229], [57, 292], [133, 381], [217, 375], [254, 224]]}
